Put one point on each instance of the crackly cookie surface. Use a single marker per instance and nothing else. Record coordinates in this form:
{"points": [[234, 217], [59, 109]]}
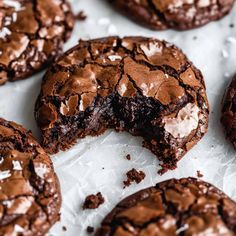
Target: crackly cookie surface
{"points": [[186, 207], [30, 197], [177, 14], [228, 118], [31, 35], [141, 85]]}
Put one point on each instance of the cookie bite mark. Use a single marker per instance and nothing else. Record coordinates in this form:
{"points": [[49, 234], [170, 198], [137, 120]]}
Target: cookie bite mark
{"points": [[140, 85], [174, 207], [176, 14], [32, 34], [30, 198]]}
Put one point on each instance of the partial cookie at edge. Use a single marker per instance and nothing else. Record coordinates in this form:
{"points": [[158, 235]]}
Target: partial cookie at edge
{"points": [[176, 14], [32, 34], [228, 117], [183, 207], [30, 197]]}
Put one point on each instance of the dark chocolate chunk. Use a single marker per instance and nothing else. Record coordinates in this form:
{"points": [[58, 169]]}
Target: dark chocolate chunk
{"points": [[90, 229], [31, 35], [128, 157], [199, 174], [93, 201], [176, 14], [228, 118], [134, 176], [184, 207], [81, 16], [141, 85], [30, 198]]}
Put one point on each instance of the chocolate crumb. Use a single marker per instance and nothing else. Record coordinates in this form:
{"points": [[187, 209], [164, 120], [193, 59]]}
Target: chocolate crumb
{"points": [[128, 157], [64, 228], [93, 201], [134, 176], [199, 174], [81, 16], [90, 229]]}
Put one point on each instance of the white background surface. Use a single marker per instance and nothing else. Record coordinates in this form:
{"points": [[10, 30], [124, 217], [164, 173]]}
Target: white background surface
{"points": [[212, 49]]}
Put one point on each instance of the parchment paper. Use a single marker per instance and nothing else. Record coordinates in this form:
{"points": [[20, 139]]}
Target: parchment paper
{"points": [[99, 164]]}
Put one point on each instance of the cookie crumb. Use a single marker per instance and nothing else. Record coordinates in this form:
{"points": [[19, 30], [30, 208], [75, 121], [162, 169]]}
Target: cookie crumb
{"points": [[90, 229], [93, 201], [199, 174], [134, 176], [128, 157], [64, 228], [81, 16]]}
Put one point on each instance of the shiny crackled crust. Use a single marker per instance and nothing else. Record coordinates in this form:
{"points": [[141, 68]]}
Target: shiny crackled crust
{"points": [[184, 207], [31, 35], [144, 86], [176, 14], [228, 118], [30, 197]]}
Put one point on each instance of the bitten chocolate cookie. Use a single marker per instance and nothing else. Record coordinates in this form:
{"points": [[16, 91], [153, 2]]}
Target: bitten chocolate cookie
{"points": [[228, 118], [140, 85], [186, 207], [176, 14], [30, 197], [31, 35]]}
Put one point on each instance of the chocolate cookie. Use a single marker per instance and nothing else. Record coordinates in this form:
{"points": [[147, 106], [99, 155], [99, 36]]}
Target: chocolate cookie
{"points": [[140, 85], [186, 207], [30, 197], [176, 14], [228, 118], [31, 35]]}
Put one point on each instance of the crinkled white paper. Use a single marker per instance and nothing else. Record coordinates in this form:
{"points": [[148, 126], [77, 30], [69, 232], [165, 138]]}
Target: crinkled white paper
{"points": [[99, 164]]}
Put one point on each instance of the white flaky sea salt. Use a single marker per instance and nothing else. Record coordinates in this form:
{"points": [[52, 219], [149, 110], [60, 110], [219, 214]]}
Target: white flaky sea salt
{"points": [[16, 165], [5, 174], [4, 32], [18, 229], [114, 57], [182, 229], [41, 170], [13, 3]]}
